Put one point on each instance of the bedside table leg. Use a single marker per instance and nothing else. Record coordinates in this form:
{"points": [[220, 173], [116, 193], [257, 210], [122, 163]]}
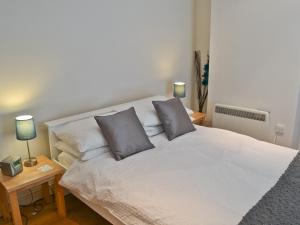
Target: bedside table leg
{"points": [[15, 210], [46, 193], [60, 197], [4, 205]]}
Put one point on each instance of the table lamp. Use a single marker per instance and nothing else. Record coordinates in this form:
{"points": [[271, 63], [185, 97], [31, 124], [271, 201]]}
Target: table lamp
{"points": [[25, 131], [179, 89]]}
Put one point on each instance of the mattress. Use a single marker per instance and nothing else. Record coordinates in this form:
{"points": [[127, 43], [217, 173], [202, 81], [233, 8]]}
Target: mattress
{"points": [[210, 176]]}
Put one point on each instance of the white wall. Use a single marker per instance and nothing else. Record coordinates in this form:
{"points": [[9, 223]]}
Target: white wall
{"points": [[201, 35], [202, 26], [255, 59], [62, 57]]}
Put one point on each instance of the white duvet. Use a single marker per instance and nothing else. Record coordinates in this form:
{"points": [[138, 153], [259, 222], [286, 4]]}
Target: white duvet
{"points": [[207, 177]]}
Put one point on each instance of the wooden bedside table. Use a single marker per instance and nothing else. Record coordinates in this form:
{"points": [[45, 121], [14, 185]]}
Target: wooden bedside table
{"points": [[30, 177], [198, 118]]}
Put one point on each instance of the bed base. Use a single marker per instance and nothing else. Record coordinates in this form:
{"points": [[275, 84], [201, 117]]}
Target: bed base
{"points": [[100, 210]]}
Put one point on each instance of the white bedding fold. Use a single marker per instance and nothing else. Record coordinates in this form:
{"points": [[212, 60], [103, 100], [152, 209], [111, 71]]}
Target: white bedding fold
{"points": [[209, 177]]}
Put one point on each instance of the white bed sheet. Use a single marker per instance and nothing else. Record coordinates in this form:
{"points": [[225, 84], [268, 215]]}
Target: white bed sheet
{"points": [[209, 177]]}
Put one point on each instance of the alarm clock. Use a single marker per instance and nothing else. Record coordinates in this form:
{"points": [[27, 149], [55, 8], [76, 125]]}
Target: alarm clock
{"points": [[11, 166]]}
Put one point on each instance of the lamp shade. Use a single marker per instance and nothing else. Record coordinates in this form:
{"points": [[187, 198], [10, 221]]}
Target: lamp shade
{"points": [[25, 128], [179, 89]]}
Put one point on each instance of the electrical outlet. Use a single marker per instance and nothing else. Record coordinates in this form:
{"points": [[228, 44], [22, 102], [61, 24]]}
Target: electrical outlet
{"points": [[279, 129]]}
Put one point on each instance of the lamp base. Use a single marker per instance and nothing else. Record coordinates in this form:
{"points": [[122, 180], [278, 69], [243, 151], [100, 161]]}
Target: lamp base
{"points": [[30, 162]]}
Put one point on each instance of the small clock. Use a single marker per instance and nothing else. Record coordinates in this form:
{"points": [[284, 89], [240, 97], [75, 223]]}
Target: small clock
{"points": [[11, 166]]}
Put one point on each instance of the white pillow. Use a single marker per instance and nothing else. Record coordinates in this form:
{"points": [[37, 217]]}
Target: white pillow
{"points": [[83, 135], [60, 145], [155, 130], [66, 159], [189, 111], [145, 110]]}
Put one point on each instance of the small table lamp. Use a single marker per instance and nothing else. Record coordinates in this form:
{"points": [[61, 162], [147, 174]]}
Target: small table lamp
{"points": [[25, 130], [179, 89]]}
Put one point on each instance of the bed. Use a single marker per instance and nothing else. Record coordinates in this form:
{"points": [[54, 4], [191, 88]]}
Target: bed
{"points": [[210, 176]]}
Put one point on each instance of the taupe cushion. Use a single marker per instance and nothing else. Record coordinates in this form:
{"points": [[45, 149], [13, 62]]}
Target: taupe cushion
{"points": [[124, 133], [174, 117]]}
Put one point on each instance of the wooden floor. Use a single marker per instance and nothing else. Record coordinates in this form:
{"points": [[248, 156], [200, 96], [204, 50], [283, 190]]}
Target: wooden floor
{"points": [[77, 214]]}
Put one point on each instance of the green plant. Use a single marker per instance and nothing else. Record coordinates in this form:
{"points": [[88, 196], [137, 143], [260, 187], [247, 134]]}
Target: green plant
{"points": [[201, 79]]}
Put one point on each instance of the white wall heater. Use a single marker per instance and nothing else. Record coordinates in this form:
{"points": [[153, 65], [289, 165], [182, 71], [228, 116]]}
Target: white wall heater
{"points": [[252, 122]]}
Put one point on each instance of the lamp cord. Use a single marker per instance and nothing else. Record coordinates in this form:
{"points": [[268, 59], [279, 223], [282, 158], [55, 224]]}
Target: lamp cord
{"points": [[37, 207]]}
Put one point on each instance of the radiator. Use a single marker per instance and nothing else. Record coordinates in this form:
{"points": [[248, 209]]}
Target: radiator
{"points": [[254, 123]]}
